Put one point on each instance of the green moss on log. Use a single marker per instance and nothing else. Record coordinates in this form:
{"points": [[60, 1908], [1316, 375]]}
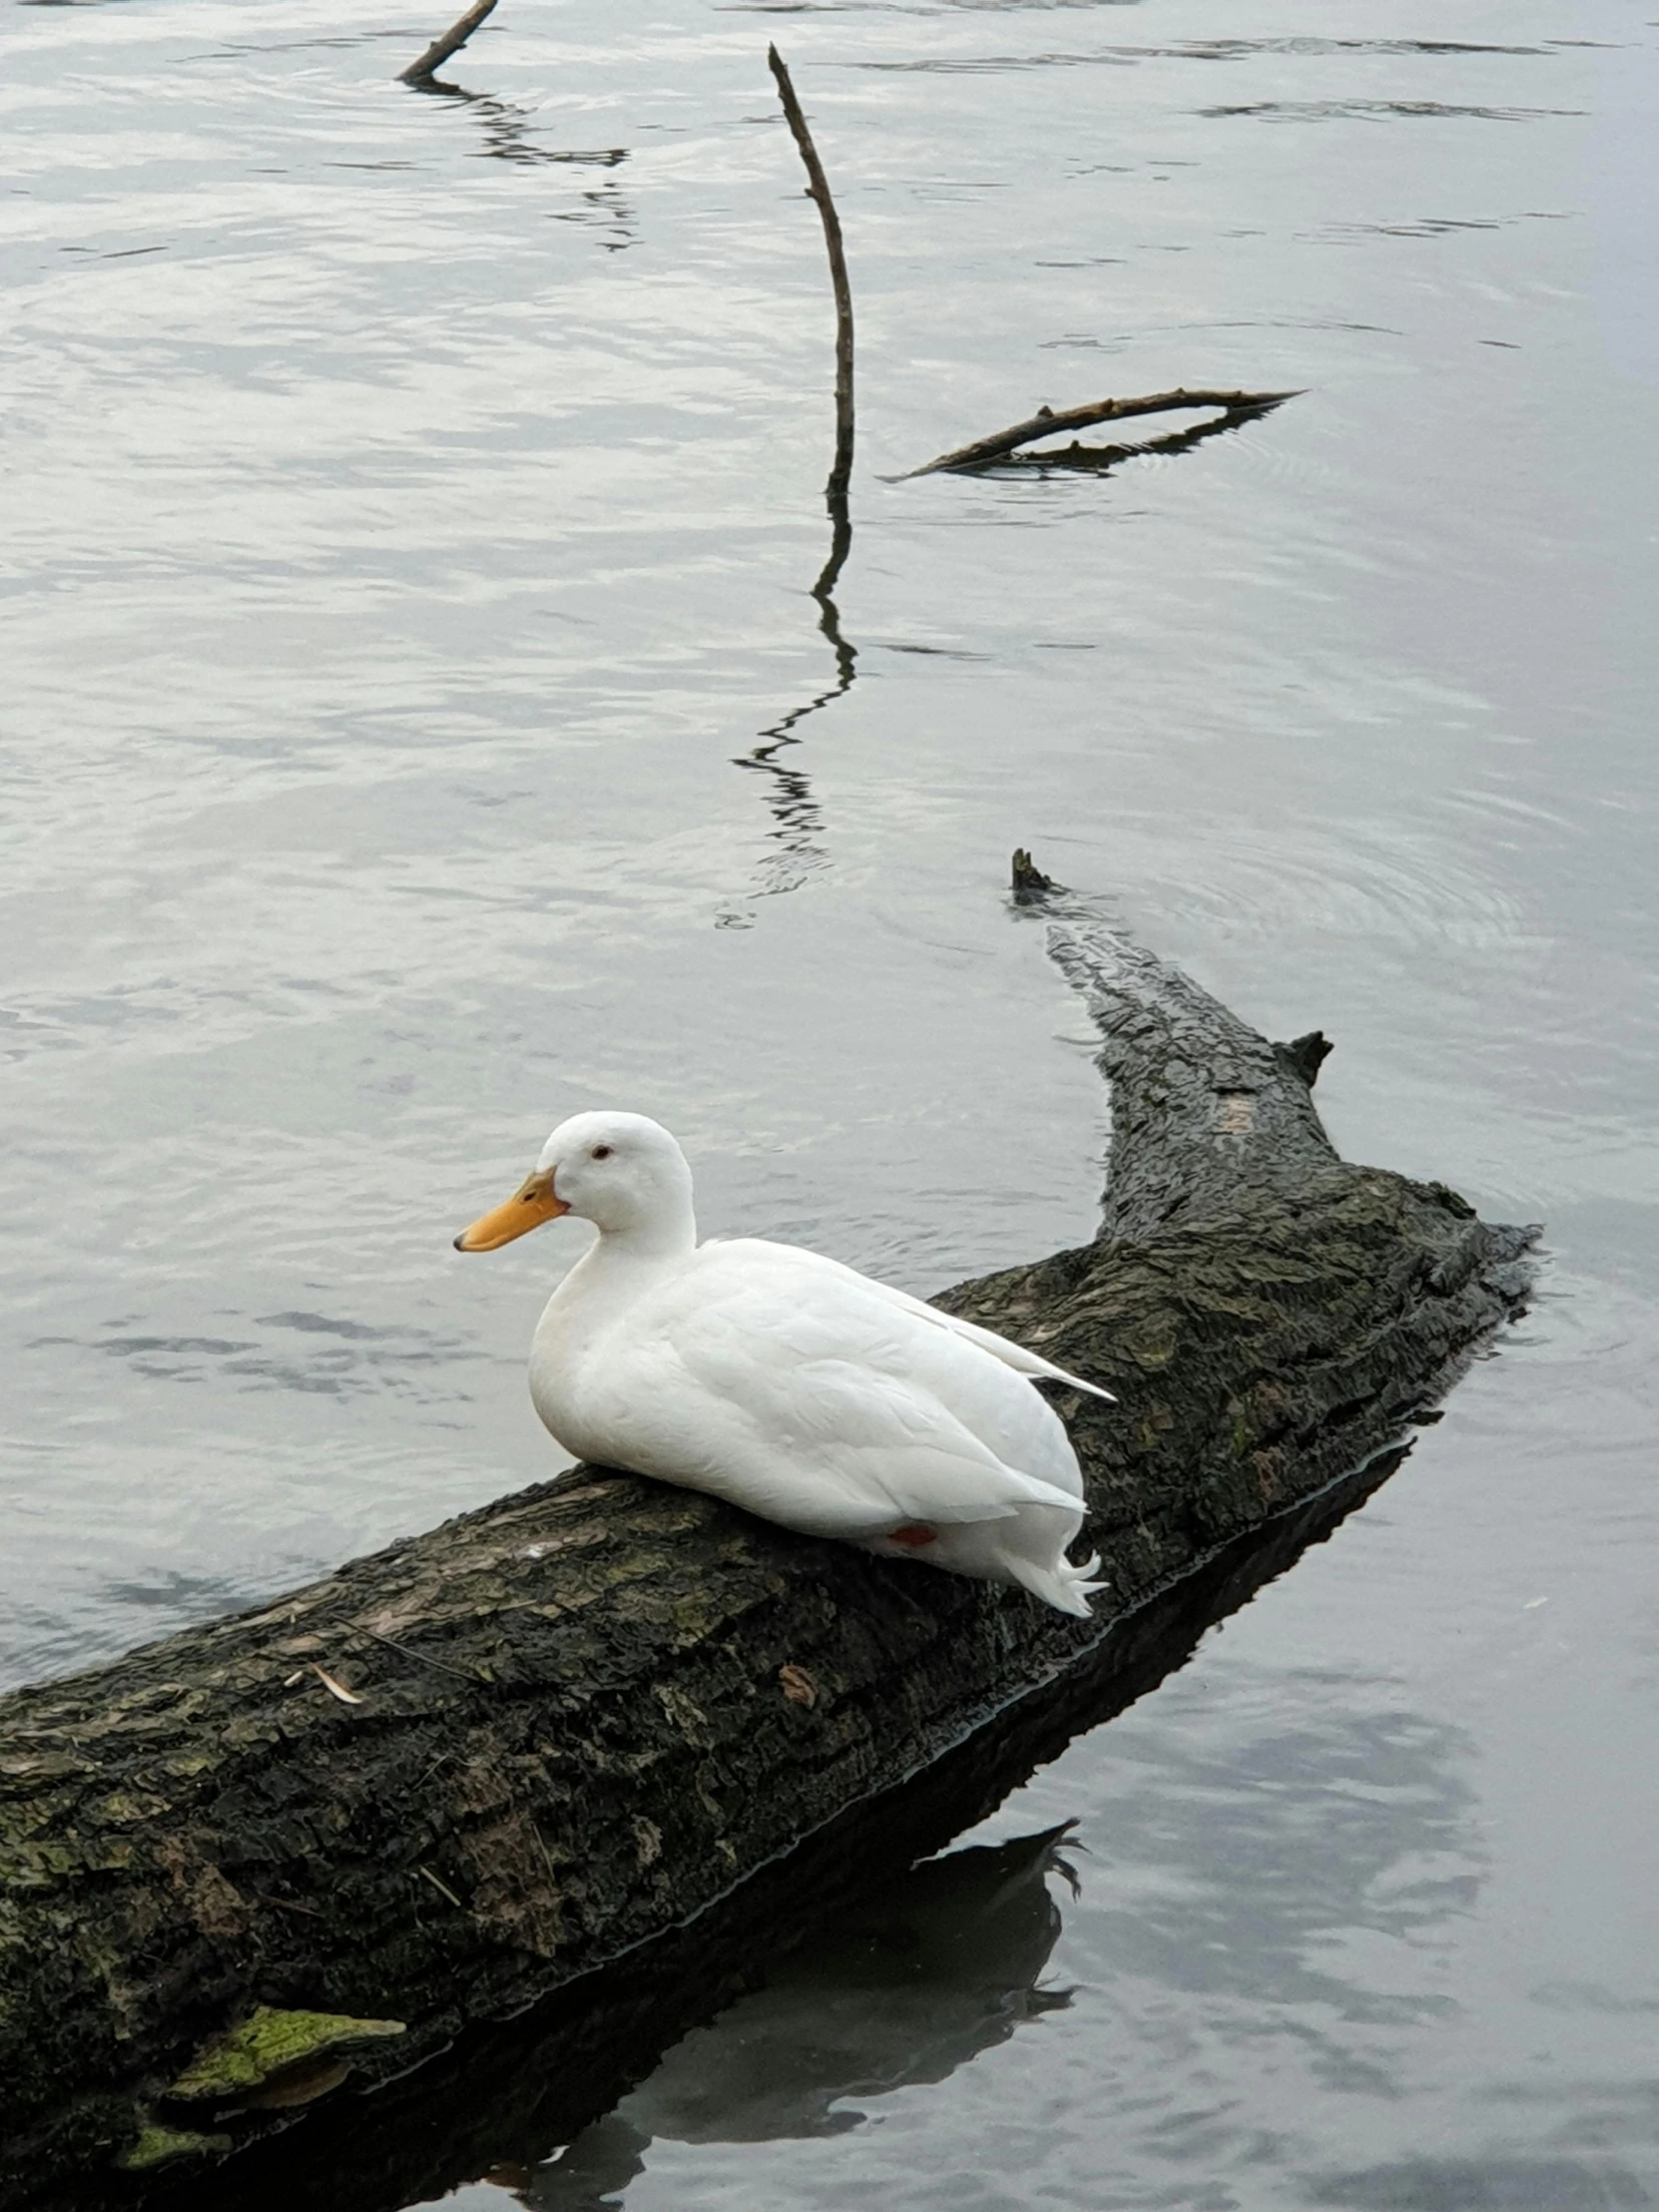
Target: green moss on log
{"points": [[166, 2146], [270, 2043]]}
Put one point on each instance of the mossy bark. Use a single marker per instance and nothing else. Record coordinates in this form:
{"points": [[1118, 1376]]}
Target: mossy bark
{"points": [[588, 1712]]}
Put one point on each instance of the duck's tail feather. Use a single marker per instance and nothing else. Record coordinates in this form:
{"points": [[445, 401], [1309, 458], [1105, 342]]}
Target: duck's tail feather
{"points": [[1065, 1587], [1021, 1357]]}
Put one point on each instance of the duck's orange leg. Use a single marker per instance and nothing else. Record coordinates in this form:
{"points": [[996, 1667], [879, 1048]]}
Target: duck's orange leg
{"points": [[913, 1534]]}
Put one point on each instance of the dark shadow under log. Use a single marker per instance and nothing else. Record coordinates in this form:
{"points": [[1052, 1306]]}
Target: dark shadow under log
{"points": [[585, 1715]]}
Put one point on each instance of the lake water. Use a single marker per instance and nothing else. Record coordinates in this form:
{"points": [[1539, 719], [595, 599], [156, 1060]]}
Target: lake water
{"points": [[418, 726]]}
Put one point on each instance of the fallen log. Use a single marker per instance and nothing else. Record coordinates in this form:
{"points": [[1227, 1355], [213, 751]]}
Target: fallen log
{"points": [[315, 1842], [507, 2097]]}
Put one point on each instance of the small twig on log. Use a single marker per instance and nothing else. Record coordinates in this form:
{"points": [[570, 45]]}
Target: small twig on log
{"points": [[817, 187], [422, 1658], [1045, 423], [451, 43]]}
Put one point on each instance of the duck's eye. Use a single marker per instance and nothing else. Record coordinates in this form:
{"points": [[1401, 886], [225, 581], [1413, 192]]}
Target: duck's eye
{"points": [[600, 1152]]}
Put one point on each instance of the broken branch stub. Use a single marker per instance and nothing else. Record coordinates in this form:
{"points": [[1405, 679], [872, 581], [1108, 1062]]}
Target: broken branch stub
{"points": [[450, 43]]}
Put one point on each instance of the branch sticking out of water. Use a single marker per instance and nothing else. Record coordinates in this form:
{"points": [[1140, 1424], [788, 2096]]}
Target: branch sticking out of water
{"points": [[817, 189], [1045, 423], [451, 43]]}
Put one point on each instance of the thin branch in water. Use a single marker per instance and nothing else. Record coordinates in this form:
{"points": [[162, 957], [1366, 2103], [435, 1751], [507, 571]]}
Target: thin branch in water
{"points": [[817, 189], [451, 43], [1100, 461], [1045, 423]]}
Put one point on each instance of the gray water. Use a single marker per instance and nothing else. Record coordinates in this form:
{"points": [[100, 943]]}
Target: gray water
{"points": [[417, 727]]}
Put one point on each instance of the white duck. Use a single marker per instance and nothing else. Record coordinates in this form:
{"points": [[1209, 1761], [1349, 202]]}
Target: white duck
{"points": [[786, 1383]]}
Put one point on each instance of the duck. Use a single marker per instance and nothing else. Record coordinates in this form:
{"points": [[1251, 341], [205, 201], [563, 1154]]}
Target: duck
{"points": [[787, 1383]]}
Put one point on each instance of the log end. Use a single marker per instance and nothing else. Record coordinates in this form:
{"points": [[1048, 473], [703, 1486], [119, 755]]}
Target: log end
{"points": [[1305, 1056]]}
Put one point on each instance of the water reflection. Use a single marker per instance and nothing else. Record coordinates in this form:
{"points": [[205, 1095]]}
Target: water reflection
{"points": [[946, 1963], [1480, 2185], [506, 126], [796, 848], [1325, 110]]}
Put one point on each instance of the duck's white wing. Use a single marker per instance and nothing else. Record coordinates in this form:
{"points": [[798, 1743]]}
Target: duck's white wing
{"points": [[793, 1387], [1018, 1356]]}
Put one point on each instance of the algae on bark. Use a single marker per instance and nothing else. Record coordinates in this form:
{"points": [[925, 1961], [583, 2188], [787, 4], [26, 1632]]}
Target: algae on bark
{"points": [[269, 2043]]}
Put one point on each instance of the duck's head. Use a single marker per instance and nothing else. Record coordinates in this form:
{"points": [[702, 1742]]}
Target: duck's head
{"points": [[622, 1172]]}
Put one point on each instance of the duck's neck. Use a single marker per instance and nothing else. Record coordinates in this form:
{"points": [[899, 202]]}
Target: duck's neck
{"points": [[668, 1232]]}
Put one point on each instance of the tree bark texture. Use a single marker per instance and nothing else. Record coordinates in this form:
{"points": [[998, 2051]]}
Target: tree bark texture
{"points": [[587, 1713]]}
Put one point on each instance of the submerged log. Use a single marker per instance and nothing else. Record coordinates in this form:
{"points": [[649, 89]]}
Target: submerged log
{"points": [[316, 1841]]}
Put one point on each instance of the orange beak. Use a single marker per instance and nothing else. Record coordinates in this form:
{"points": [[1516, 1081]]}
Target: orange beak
{"points": [[528, 1208]]}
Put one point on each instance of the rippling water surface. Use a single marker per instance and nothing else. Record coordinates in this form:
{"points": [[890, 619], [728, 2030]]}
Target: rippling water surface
{"points": [[418, 726]]}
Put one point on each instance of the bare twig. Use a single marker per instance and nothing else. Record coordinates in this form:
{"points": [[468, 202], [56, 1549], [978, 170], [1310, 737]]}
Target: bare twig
{"points": [[817, 187], [424, 1658], [1045, 423], [1100, 461], [451, 43]]}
